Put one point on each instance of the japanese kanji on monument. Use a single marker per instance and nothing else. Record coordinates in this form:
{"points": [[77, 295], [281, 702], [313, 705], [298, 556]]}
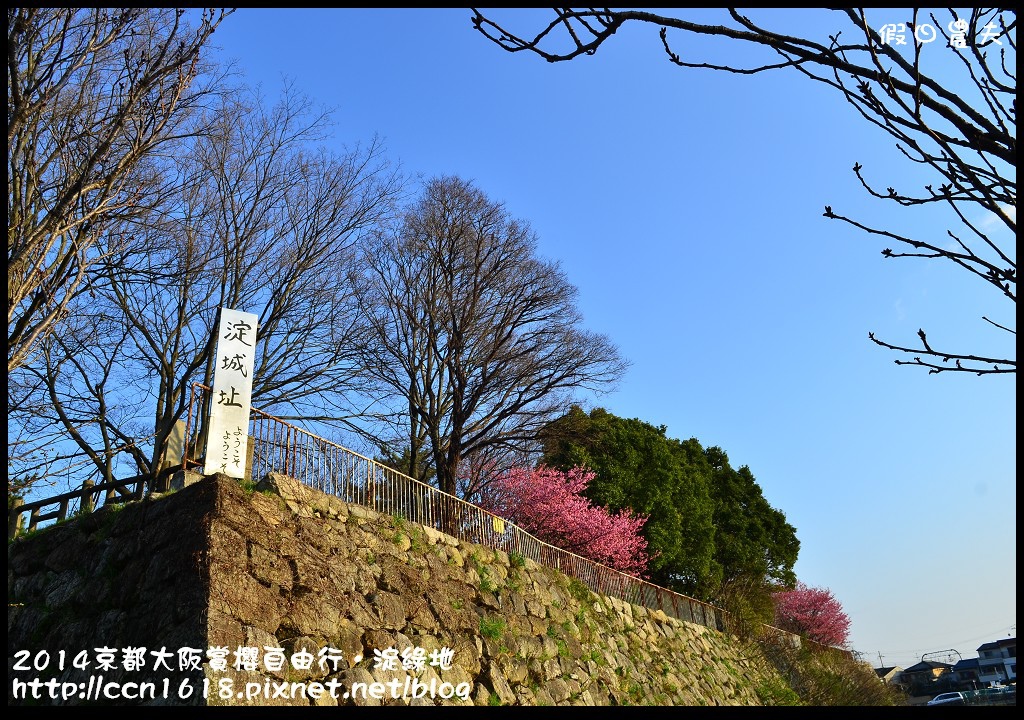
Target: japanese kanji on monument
{"points": [[228, 436]]}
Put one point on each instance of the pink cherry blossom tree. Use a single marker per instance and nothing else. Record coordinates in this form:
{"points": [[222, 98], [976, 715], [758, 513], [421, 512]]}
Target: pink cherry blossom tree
{"points": [[813, 613], [549, 504]]}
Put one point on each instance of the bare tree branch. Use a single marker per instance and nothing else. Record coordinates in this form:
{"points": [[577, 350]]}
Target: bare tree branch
{"points": [[480, 338], [960, 129], [91, 94], [258, 218]]}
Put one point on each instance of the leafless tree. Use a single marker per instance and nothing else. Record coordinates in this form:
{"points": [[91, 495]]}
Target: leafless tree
{"points": [[480, 338], [92, 94], [262, 219], [961, 130], [396, 305]]}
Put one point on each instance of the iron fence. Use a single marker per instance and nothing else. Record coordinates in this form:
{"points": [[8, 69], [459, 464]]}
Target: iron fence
{"points": [[278, 446]]}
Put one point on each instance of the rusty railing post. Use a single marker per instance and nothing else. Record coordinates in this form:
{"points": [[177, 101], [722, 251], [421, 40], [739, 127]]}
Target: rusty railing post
{"points": [[287, 451], [86, 504], [14, 518]]}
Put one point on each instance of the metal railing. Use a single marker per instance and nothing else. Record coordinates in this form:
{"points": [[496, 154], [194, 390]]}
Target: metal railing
{"points": [[278, 446]]}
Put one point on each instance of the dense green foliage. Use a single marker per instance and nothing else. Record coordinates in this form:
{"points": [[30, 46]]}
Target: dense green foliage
{"points": [[714, 534], [639, 468], [752, 539]]}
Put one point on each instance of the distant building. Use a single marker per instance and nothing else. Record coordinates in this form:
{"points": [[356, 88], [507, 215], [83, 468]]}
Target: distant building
{"points": [[997, 661], [890, 675], [927, 677], [967, 673]]}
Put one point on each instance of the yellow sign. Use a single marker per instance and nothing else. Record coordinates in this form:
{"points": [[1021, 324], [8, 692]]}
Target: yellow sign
{"points": [[499, 525]]}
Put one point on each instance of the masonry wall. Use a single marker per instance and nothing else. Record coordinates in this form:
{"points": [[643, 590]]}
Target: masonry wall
{"points": [[123, 577], [287, 570]]}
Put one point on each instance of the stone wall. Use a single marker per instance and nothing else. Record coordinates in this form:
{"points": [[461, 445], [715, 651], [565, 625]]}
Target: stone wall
{"points": [[124, 576], [296, 573]]}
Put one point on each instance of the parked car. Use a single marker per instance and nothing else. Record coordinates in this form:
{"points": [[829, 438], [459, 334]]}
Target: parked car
{"points": [[950, 698]]}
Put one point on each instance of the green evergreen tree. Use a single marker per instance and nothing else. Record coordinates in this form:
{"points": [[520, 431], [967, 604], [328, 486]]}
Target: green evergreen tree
{"points": [[752, 539], [639, 468], [712, 532]]}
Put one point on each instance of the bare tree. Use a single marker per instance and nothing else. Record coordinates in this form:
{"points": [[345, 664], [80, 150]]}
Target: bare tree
{"points": [[262, 219], [396, 304], [481, 339], [961, 130], [92, 93]]}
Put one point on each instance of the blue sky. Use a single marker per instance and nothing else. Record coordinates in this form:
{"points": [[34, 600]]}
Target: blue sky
{"points": [[686, 206]]}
